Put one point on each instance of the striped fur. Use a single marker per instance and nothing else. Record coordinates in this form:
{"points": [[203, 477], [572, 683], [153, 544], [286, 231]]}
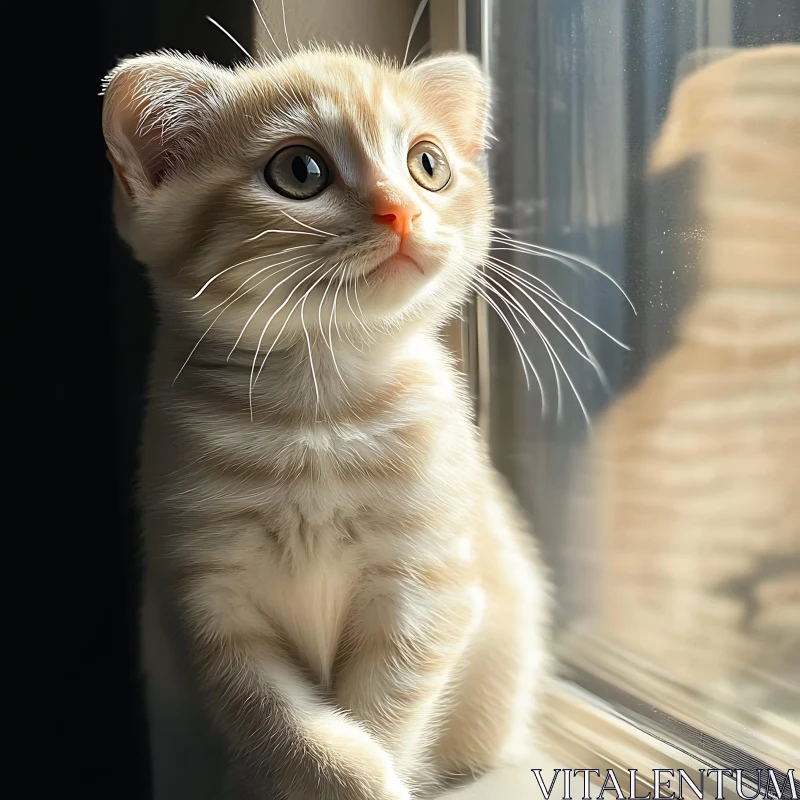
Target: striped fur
{"points": [[697, 468], [336, 565]]}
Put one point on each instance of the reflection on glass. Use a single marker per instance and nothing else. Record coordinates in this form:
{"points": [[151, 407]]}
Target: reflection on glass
{"points": [[660, 140], [697, 466]]}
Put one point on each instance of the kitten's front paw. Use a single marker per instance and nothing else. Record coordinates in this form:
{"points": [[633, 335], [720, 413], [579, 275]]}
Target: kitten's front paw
{"points": [[363, 770], [394, 788]]}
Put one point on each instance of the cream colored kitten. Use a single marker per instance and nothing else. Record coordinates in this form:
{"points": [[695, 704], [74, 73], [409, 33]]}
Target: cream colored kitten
{"points": [[696, 467], [333, 568]]}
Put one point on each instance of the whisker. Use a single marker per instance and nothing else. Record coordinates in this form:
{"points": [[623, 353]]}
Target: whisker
{"points": [[336, 312], [560, 302], [333, 309], [197, 344], [285, 29], [329, 341], [517, 343], [256, 273], [310, 227], [278, 230], [552, 350], [274, 342], [305, 330], [231, 37], [270, 293], [586, 354], [578, 259], [528, 275], [246, 261], [213, 322], [361, 310], [523, 356], [527, 317], [414, 23], [423, 49], [369, 336], [561, 259], [321, 304], [255, 285], [266, 27], [283, 327]]}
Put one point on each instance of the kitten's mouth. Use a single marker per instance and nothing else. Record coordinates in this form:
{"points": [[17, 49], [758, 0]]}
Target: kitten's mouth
{"points": [[394, 265]]}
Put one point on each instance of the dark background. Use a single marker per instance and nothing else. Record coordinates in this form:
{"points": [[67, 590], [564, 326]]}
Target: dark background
{"points": [[77, 318]]}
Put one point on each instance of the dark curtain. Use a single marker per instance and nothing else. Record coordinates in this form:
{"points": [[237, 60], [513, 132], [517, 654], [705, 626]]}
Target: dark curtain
{"points": [[78, 321]]}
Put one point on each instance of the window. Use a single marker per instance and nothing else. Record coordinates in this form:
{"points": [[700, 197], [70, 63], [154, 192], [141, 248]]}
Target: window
{"points": [[657, 142]]}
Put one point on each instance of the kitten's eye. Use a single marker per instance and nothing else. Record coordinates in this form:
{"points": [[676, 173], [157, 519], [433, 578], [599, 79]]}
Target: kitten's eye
{"points": [[298, 172], [428, 166]]}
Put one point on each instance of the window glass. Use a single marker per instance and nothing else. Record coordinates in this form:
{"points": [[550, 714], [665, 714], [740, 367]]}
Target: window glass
{"points": [[647, 178]]}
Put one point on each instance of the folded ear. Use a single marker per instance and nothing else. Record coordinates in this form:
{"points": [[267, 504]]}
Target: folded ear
{"points": [[691, 117], [455, 86], [155, 110], [731, 92]]}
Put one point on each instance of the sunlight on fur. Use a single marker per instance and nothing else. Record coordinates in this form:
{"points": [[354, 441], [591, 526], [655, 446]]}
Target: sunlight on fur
{"points": [[341, 598]]}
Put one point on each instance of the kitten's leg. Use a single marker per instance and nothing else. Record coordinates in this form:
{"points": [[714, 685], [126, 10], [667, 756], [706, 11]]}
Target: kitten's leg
{"points": [[408, 632], [286, 739]]}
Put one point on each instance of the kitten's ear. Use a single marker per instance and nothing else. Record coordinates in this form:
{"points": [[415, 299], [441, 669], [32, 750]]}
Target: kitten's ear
{"points": [[155, 110], [457, 88], [690, 119]]}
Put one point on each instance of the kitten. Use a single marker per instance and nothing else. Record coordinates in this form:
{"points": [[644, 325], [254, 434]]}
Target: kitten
{"points": [[698, 485], [331, 560]]}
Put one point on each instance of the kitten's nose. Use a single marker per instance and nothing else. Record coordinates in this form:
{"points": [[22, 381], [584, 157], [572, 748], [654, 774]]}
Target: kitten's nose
{"points": [[398, 216]]}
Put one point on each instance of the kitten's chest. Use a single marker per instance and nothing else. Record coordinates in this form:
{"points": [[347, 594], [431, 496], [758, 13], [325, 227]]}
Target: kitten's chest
{"points": [[308, 605]]}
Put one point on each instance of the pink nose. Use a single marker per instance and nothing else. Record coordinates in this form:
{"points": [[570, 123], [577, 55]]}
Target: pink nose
{"points": [[399, 217]]}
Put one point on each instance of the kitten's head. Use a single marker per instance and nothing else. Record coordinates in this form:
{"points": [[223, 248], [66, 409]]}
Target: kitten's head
{"points": [[739, 114], [285, 185]]}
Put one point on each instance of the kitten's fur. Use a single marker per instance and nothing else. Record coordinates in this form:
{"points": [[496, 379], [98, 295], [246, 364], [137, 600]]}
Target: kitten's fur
{"points": [[343, 576]]}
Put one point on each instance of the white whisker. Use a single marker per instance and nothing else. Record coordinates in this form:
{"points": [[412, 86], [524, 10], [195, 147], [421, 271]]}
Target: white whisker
{"points": [[361, 310], [285, 29], [369, 336], [423, 49], [518, 344], [197, 344], [578, 397], [213, 322], [310, 227], [274, 342], [266, 27], [517, 249], [329, 341], [529, 275], [231, 37], [586, 354], [505, 296], [270, 293], [335, 308], [305, 330], [552, 350], [560, 302], [414, 23], [538, 249], [272, 271], [247, 261], [321, 304], [279, 230]]}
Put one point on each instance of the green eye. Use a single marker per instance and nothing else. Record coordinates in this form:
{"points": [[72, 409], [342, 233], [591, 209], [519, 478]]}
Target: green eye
{"points": [[298, 172], [428, 166]]}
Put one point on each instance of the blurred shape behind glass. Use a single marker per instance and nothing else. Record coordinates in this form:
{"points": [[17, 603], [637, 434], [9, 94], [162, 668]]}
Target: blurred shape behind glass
{"points": [[697, 467], [660, 139]]}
